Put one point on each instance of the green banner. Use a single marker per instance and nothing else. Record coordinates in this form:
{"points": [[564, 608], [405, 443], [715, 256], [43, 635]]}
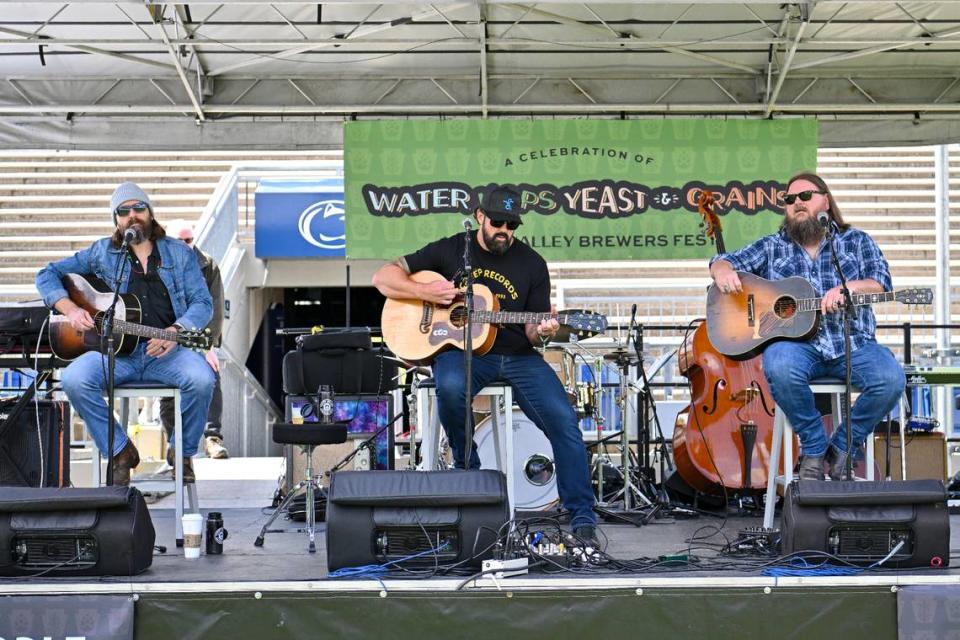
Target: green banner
{"points": [[590, 189]]}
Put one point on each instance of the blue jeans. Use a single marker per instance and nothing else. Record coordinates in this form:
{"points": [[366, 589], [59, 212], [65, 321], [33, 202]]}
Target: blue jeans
{"points": [[541, 397], [85, 379], [789, 368]]}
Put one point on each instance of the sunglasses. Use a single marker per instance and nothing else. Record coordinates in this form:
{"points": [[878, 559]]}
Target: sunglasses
{"points": [[137, 207], [790, 198], [497, 224]]}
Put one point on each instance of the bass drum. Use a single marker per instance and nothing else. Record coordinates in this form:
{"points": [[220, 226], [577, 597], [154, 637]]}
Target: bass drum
{"points": [[534, 474]]}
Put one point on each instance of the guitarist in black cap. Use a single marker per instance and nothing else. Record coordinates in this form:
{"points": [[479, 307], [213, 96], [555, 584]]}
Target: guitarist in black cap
{"points": [[517, 275]]}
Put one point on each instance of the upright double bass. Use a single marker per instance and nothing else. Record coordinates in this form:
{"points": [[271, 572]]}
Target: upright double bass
{"points": [[722, 439]]}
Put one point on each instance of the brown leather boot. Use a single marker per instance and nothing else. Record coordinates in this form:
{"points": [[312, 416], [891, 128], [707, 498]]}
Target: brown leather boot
{"points": [[123, 462], [188, 475]]}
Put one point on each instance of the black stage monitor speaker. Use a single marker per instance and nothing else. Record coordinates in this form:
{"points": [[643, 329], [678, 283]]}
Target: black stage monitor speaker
{"points": [[104, 531], [29, 458], [440, 517], [863, 522]]}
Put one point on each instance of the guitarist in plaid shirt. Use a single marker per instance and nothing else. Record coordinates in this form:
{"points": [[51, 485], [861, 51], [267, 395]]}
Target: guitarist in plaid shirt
{"points": [[799, 248]]}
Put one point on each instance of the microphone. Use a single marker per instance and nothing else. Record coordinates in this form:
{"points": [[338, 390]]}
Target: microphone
{"points": [[133, 235], [824, 219], [467, 224]]}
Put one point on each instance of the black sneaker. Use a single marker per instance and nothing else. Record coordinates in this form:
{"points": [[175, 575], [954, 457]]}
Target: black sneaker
{"points": [[587, 533]]}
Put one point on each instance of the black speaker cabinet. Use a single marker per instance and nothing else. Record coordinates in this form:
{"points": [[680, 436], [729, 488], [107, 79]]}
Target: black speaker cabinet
{"points": [[380, 516], [23, 447], [863, 522], [105, 531]]}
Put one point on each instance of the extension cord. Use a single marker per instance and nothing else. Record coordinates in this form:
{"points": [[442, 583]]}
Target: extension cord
{"points": [[499, 569]]}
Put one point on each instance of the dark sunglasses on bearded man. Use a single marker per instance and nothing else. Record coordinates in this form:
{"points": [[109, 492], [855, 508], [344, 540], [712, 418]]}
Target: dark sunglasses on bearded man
{"points": [[790, 198], [497, 224]]}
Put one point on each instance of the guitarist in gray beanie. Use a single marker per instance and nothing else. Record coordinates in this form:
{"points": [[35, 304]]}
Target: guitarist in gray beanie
{"points": [[162, 277]]}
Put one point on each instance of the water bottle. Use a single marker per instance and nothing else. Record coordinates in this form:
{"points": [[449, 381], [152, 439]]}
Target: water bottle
{"points": [[216, 534]]}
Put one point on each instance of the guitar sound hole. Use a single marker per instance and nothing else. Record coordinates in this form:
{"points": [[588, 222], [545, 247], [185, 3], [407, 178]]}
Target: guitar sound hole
{"points": [[785, 308], [458, 317]]}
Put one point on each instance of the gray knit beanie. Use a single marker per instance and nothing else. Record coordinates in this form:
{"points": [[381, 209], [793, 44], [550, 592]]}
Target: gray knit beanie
{"points": [[127, 191]]}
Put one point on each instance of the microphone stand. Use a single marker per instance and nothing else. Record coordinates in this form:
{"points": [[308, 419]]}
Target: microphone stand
{"points": [[848, 309], [106, 336], [468, 349], [650, 407]]}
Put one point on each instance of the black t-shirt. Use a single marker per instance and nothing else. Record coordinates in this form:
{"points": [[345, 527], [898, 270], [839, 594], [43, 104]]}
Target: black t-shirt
{"points": [[149, 289], [519, 279]]}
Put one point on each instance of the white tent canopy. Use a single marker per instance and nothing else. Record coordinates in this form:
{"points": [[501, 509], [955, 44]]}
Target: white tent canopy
{"points": [[247, 73]]}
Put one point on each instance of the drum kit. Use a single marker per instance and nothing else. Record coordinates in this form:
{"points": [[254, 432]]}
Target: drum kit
{"points": [[608, 390]]}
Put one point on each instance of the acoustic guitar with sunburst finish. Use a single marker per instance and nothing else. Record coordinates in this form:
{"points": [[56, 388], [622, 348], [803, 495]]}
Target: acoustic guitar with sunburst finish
{"points": [[741, 325], [68, 343], [417, 330]]}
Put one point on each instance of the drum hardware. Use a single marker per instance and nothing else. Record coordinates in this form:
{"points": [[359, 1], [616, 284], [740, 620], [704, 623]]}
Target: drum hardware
{"points": [[534, 472]]}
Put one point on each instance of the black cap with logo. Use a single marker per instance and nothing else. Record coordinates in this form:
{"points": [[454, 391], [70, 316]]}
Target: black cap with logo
{"points": [[502, 204]]}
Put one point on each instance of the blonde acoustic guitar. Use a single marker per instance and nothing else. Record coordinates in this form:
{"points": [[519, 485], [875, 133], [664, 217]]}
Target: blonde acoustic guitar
{"points": [[417, 330]]}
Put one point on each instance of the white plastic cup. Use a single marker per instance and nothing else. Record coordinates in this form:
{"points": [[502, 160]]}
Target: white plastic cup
{"points": [[192, 535]]}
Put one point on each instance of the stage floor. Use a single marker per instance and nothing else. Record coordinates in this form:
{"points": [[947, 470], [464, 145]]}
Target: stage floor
{"points": [[242, 491]]}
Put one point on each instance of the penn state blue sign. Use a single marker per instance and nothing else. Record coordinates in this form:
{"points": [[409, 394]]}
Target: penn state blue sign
{"points": [[300, 219]]}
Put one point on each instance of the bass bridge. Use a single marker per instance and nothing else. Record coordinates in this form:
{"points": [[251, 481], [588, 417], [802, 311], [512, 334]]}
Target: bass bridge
{"points": [[745, 395]]}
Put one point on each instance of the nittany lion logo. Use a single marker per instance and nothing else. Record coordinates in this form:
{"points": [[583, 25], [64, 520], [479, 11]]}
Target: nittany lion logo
{"points": [[321, 224]]}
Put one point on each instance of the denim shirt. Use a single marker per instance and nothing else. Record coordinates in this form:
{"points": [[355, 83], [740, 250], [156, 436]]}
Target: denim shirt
{"points": [[776, 257], [178, 270]]}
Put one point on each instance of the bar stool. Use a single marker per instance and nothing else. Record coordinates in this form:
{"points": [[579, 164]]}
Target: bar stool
{"points": [[124, 394], [783, 438], [428, 420]]}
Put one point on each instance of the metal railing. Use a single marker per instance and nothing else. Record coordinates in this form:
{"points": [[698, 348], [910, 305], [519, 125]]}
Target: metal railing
{"points": [[248, 409]]}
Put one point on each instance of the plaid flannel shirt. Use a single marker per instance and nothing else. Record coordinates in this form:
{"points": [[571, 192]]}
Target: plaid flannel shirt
{"points": [[776, 256]]}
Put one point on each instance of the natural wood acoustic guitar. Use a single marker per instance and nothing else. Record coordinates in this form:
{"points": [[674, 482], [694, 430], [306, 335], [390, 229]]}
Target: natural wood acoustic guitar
{"points": [[741, 325], [417, 330]]}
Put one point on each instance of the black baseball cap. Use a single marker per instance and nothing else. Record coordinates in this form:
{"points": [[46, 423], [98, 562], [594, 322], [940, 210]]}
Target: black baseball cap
{"points": [[502, 203]]}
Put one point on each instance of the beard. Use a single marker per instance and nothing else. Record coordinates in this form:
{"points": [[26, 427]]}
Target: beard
{"points": [[497, 242], [146, 229], [806, 231]]}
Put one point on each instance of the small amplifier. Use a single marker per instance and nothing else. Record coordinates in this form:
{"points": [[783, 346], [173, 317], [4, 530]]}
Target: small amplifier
{"points": [[864, 522]]}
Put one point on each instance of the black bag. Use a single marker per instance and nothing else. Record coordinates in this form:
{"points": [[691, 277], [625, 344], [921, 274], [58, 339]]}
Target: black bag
{"points": [[343, 360], [862, 522], [104, 531], [445, 516]]}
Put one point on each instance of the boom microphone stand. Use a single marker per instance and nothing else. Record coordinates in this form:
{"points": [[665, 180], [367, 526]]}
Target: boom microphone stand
{"points": [[824, 219]]}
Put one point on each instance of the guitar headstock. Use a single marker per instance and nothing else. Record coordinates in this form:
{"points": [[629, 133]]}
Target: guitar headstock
{"points": [[583, 323], [194, 339], [706, 207], [914, 296]]}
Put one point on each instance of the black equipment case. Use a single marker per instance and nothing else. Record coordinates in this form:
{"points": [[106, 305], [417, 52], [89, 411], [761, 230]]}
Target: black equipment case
{"points": [[104, 531], [379, 516], [862, 522]]}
